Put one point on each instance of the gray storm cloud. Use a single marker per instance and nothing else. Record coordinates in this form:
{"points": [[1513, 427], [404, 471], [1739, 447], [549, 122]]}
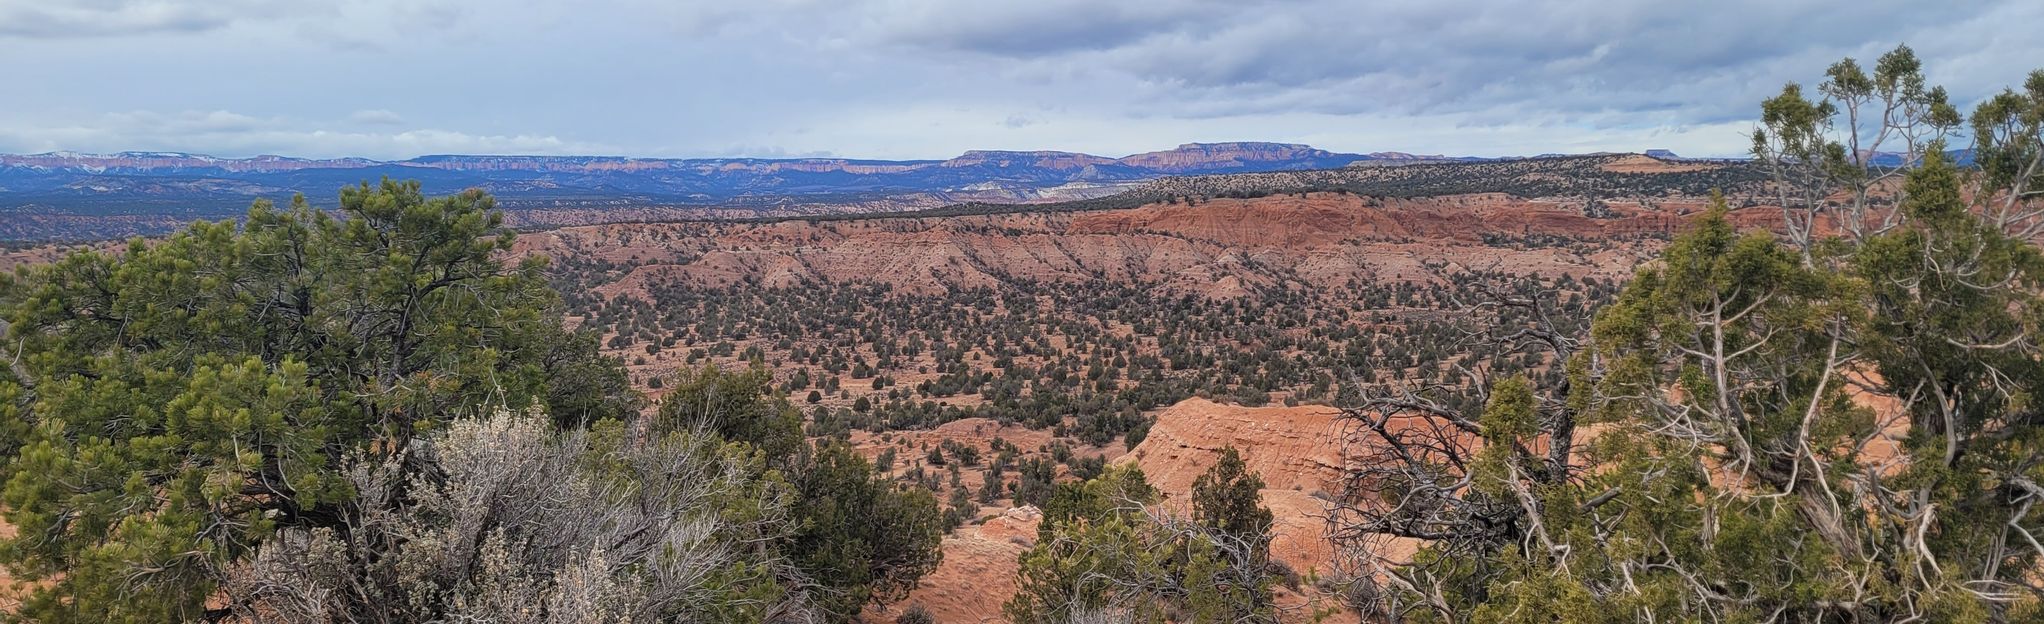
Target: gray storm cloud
{"points": [[925, 79]]}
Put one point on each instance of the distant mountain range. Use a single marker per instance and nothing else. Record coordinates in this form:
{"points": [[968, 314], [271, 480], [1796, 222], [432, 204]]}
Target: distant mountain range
{"points": [[73, 195], [66, 195], [64, 179]]}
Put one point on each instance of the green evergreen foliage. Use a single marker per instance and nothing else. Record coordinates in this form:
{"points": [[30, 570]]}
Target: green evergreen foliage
{"points": [[1104, 548], [959, 509], [181, 400], [1119, 488], [859, 536], [740, 406], [1228, 500], [1037, 476], [1834, 423], [320, 417]]}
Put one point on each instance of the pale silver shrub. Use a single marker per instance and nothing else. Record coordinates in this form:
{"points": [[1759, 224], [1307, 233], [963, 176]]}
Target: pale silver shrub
{"points": [[503, 519]]}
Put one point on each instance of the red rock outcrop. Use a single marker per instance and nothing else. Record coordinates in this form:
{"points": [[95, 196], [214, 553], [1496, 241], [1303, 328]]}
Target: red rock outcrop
{"points": [[977, 574], [1217, 248], [1297, 451]]}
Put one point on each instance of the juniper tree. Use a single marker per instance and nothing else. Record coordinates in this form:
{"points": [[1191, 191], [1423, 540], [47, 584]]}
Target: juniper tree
{"points": [[1104, 546], [740, 406], [178, 401], [1832, 423], [860, 537], [1227, 502]]}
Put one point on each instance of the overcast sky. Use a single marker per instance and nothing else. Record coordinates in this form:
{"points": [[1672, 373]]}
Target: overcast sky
{"points": [[927, 79]]}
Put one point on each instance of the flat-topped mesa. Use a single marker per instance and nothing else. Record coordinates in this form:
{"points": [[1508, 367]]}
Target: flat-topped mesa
{"points": [[1047, 159], [172, 161], [1404, 156], [1203, 156]]}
